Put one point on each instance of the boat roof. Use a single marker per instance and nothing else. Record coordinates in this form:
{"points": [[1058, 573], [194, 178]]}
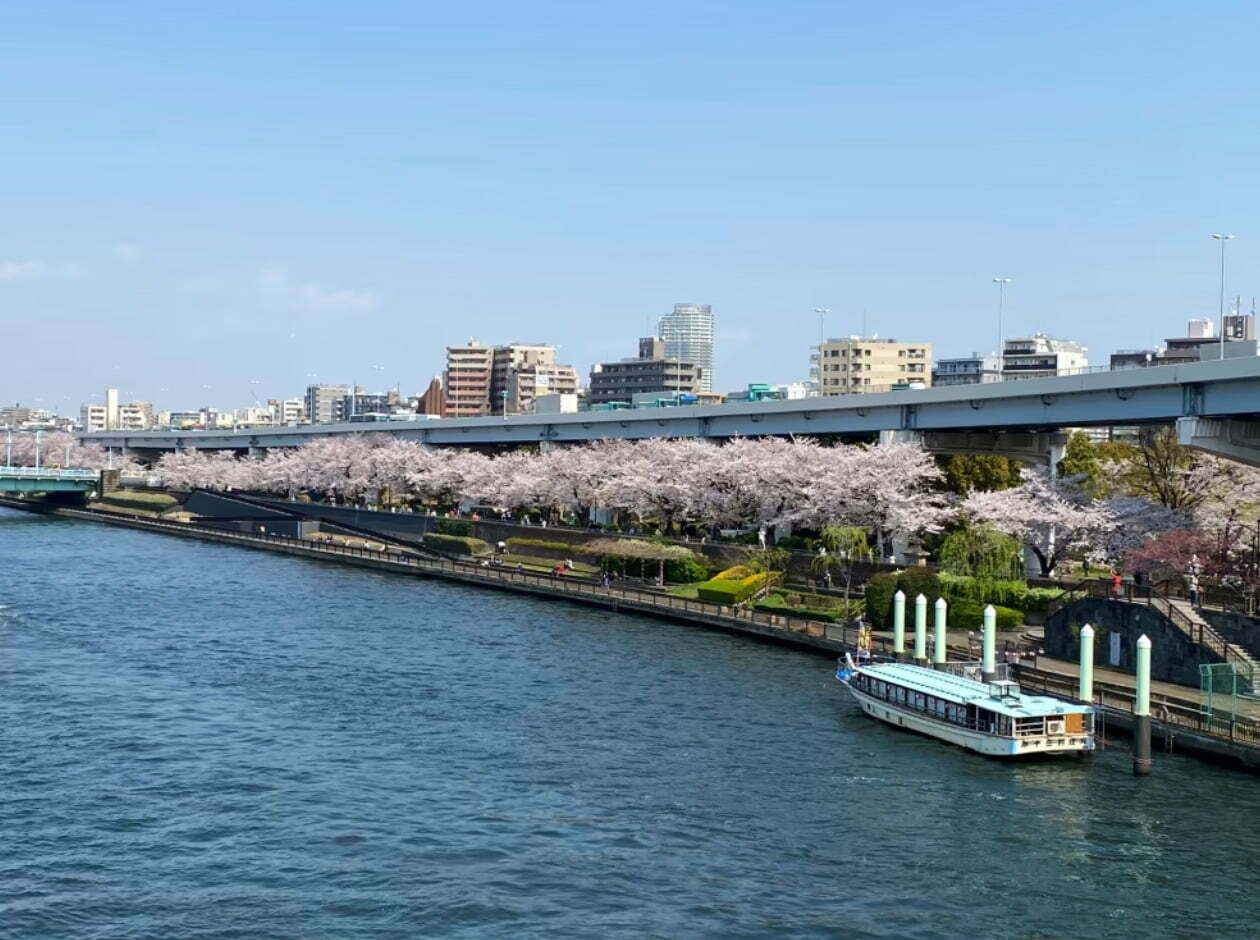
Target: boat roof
{"points": [[964, 691]]}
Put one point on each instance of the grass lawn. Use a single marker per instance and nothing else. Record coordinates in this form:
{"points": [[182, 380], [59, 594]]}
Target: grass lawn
{"points": [[684, 590]]}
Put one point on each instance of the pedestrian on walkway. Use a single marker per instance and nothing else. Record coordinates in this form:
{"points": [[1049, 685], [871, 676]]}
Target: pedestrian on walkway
{"points": [[1115, 582], [1192, 588]]}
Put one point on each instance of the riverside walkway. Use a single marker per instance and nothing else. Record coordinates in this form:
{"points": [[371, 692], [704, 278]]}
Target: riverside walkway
{"points": [[830, 638]]}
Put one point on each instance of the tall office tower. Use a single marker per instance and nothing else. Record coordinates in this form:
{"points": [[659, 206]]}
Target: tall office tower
{"points": [[688, 336]]}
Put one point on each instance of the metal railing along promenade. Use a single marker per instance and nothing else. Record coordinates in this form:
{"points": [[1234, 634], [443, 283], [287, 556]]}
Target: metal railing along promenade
{"points": [[800, 630], [46, 473]]}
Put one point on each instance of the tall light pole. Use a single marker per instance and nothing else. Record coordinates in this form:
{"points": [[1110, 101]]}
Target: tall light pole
{"points": [[1222, 239], [822, 330], [1001, 282]]}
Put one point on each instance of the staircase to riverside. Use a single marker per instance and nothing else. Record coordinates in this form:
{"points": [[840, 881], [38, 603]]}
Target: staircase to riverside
{"points": [[1203, 633], [1182, 614]]}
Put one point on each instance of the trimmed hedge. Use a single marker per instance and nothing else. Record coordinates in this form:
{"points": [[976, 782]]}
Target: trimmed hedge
{"points": [[737, 573], [454, 527], [1008, 593], [129, 499], [912, 582], [519, 541], [966, 614], [730, 591], [457, 544]]}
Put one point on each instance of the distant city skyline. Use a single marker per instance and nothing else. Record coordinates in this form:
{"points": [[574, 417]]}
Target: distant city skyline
{"points": [[336, 197]]}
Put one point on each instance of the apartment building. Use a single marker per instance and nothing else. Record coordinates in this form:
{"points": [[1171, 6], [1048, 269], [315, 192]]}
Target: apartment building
{"points": [[286, 410], [525, 385], [1041, 356], [467, 379], [111, 416], [483, 380], [652, 372], [856, 365], [976, 369]]}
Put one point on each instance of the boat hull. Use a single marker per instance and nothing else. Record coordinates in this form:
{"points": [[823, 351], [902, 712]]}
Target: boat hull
{"points": [[987, 744]]}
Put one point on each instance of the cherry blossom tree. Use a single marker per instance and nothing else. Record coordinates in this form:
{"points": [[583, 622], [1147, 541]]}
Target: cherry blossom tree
{"points": [[1046, 515]]}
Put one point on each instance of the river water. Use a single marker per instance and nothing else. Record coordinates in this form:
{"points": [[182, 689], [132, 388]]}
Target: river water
{"points": [[202, 741]]}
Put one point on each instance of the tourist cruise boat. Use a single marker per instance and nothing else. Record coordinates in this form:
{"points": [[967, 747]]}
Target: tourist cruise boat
{"points": [[992, 718]]}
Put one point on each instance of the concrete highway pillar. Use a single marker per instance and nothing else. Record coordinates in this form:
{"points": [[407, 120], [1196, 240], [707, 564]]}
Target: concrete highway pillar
{"points": [[1142, 710], [988, 664], [920, 630], [1086, 691], [938, 652], [1056, 448], [899, 625]]}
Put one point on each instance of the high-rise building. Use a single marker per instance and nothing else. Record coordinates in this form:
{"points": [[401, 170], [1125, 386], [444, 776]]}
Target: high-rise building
{"points": [[652, 372], [688, 337], [976, 369], [1041, 356], [321, 402], [468, 369], [856, 365]]}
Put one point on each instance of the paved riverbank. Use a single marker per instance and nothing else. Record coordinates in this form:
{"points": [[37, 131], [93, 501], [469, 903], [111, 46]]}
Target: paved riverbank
{"points": [[826, 638]]}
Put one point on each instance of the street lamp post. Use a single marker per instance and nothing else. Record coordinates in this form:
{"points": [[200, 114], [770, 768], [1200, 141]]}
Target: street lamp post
{"points": [[822, 331], [1222, 239], [1001, 282]]}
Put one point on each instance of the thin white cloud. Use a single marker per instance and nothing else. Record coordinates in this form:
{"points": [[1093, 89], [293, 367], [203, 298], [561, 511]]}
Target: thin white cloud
{"points": [[13, 270], [315, 297], [128, 251]]}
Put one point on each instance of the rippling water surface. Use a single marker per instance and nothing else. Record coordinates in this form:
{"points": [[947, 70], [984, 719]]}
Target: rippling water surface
{"points": [[201, 741]]}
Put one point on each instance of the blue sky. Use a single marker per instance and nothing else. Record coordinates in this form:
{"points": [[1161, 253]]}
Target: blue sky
{"points": [[206, 201]]}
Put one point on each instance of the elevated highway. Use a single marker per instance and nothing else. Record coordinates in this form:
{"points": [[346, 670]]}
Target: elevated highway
{"points": [[1215, 405]]}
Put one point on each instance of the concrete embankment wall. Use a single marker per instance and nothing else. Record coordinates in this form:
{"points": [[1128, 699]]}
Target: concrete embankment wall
{"points": [[1174, 656], [828, 639]]}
